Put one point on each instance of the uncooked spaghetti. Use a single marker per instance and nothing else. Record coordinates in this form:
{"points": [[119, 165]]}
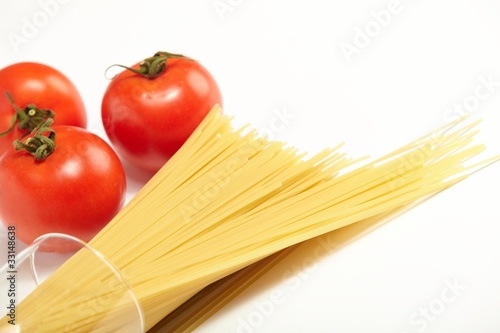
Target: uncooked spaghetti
{"points": [[226, 200]]}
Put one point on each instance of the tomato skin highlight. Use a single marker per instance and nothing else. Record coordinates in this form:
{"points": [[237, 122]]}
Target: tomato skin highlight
{"points": [[76, 190], [148, 120], [43, 86]]}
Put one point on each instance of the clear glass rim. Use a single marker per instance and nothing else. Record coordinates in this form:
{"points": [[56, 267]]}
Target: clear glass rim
{"points": [[31, 251]]}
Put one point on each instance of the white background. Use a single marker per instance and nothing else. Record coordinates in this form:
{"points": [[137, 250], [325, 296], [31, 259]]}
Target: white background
{"points": [[407, 74]]}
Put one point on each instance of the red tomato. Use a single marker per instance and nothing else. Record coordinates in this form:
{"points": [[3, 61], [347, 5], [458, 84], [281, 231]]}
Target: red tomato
{"points": [[76, 190], [45, 88], [147, 119]]}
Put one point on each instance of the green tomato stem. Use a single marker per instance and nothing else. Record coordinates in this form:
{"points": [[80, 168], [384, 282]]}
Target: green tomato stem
{"points": [[27, 119], [153, 66], [39, 145]]}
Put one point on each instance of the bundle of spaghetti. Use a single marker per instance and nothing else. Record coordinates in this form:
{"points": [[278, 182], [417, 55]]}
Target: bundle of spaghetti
{"points": [[226, 200]]}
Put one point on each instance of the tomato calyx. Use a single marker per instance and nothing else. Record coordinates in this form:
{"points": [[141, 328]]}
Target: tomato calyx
{"points": [[27, 119], [39, 145], [153, 66]]}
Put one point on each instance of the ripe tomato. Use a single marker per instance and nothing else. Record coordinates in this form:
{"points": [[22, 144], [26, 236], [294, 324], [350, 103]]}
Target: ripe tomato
{"points": [[148, 116], [76, 190], [45, 88]]}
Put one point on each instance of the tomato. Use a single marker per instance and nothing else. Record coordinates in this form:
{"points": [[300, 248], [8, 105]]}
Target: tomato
{"points": [[148, 116], [76, 190], [42, 86]]}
